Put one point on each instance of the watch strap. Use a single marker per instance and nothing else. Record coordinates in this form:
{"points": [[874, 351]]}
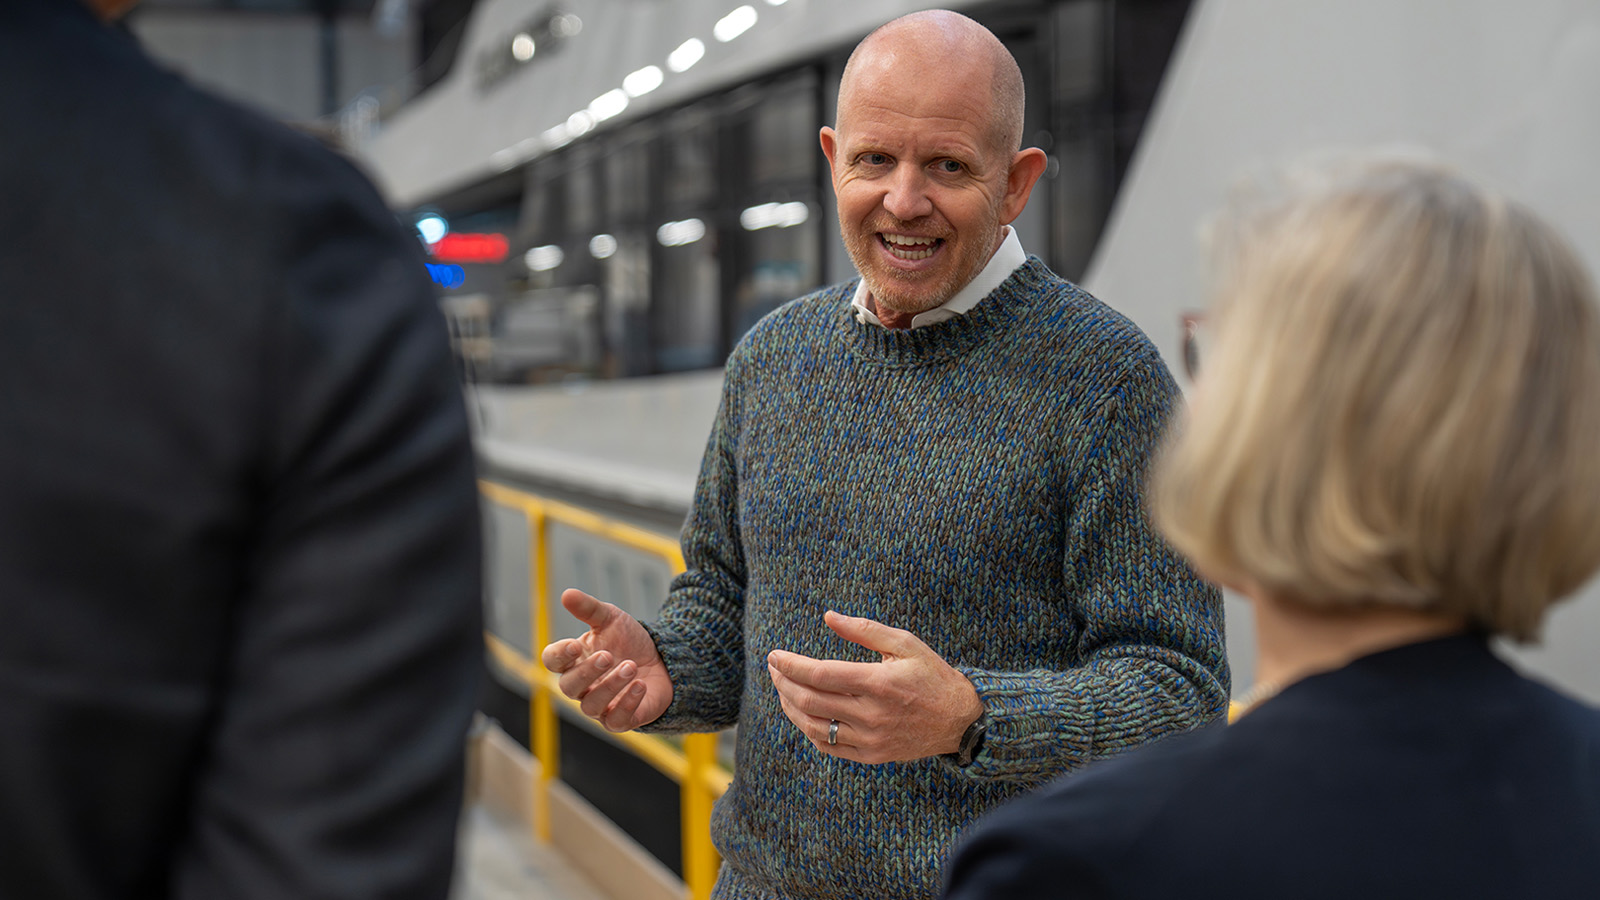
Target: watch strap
{"points": [[972, 740]]}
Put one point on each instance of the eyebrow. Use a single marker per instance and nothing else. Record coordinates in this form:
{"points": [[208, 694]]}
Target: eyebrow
{"points": [[869, 144]]}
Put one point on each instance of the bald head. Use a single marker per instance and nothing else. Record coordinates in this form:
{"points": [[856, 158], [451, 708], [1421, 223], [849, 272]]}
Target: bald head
{"points": [[946, 46]]}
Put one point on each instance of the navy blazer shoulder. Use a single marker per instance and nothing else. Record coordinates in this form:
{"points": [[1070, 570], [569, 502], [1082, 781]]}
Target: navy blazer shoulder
{"points": [[1431, 770], [240, 629]]}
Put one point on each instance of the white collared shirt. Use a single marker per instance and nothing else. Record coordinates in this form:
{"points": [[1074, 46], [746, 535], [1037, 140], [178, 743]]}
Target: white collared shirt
{"points": [[1005, 260]]}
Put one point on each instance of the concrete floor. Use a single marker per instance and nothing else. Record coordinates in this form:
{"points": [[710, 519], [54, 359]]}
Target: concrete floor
{"points": [[498, 859]]}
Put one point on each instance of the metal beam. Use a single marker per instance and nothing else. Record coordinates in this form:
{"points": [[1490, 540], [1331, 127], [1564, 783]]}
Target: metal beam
{"points": [[259, 6]]}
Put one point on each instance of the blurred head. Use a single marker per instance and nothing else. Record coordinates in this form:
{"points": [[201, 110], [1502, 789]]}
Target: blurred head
{"points": [[924, 156], [1398, 406], [110, 10]]}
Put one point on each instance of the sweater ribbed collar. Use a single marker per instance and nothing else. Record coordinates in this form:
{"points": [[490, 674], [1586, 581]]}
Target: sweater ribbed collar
{"points": [[1007, 307]]}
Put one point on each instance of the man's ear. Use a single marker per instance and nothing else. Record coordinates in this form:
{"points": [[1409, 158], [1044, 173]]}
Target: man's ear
{"points": [[1026, 167], [830, 143]]}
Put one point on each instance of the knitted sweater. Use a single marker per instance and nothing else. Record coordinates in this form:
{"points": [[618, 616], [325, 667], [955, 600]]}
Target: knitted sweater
{"points": [[975, 482]]}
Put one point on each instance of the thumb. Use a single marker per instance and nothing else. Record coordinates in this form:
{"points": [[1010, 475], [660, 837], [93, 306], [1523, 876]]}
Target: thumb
{"points": [[588, 610], [872, 634]]}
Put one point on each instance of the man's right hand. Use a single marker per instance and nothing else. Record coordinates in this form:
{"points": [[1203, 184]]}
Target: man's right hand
{"points": [[613, 670]]}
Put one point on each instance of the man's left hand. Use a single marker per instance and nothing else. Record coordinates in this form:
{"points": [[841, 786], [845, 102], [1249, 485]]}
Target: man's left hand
{"points": [[910, 705]]}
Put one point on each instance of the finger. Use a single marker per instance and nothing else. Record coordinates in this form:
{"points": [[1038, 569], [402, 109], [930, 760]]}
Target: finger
{"points": [[560, 656], [842, 735], [873, 635], [588, 610], [581, 676], [603, 691], [812, 702], [813, 728], [850, 752], [794, 715], [623, 714], [835, 675]]}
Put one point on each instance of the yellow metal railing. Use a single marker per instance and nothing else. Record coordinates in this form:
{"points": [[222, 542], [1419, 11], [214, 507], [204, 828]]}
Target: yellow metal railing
{"points": [[693, 765]]}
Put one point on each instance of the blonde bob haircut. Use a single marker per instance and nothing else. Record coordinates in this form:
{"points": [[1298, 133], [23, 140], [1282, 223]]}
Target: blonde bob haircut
{"points": [[1400, 402]]}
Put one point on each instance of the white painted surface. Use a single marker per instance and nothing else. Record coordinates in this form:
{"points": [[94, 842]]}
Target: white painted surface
{"points": [[638, 440], [1507, 89]]}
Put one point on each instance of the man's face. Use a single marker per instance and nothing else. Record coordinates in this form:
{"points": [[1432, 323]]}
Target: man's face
{"points": [[922, 186]]}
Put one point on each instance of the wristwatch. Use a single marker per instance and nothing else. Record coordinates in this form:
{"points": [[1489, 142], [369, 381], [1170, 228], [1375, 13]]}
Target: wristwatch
{"points": [[972, 740]]}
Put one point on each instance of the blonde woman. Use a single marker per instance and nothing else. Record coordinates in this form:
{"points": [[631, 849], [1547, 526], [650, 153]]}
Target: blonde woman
{"points": [[1392, 449]]}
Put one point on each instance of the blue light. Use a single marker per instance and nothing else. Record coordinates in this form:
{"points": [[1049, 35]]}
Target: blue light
{"points": [[447, 276]]}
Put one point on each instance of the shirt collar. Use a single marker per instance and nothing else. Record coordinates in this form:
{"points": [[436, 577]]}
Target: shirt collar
{"points": [[1005, 260]]}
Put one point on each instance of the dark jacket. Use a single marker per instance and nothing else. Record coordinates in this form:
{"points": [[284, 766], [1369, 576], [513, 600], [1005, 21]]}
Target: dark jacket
{"points": [[239, 621], [1431, 770]]}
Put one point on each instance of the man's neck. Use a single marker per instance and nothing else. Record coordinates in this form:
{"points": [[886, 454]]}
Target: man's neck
{"points": [[891, 318]]}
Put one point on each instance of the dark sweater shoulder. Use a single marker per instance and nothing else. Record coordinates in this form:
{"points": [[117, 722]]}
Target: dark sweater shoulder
{"points": [[1436, 709], [1077, 836], [1109, 803], [1436, 747]]}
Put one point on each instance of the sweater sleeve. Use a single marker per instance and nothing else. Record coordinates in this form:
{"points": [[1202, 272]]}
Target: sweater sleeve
{"points": [[700, 632], [1150, 658]]}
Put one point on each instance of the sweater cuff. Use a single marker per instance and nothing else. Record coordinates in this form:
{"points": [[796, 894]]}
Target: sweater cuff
{"points": [[1034, 734], [697, 703]]}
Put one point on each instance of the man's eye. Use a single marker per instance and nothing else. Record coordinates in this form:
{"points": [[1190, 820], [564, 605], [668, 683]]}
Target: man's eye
{"points": [[875, 159], [950, 166]]}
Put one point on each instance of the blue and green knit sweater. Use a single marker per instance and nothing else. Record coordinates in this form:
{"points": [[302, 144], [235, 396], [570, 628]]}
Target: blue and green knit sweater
{"points": [[975, 482]]}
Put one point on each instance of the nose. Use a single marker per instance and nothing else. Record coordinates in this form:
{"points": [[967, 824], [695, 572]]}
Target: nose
{"points": [[907, 195]]}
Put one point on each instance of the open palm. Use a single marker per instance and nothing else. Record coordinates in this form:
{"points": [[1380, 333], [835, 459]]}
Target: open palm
{"points": [[613, 669]]}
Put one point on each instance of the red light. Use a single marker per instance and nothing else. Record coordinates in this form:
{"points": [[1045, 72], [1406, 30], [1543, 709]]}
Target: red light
{"points": [[457, 247]]}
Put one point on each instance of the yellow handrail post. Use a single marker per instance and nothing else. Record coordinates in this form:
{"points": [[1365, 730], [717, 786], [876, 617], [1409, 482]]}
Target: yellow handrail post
{"points": [[700, 859], [694, 766], [542, 711]]}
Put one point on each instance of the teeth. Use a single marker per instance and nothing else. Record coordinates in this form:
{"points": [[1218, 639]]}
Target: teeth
{"points": [[894, 243], [910, 254]]}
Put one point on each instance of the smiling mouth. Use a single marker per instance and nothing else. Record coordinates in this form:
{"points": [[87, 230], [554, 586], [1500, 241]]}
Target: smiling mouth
{"points": [[907, 247]]}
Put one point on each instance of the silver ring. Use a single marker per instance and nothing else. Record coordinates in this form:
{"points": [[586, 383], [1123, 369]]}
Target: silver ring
{"points": [[833, 732]]}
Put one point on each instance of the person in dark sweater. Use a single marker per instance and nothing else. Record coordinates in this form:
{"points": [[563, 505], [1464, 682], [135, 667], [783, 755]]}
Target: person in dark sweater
{"points": [[920, 578], [240, 627], [1393, 450]]}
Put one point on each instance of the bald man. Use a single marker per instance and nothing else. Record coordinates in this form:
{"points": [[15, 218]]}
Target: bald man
{"points": [[240, 637], [920, 578]]}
